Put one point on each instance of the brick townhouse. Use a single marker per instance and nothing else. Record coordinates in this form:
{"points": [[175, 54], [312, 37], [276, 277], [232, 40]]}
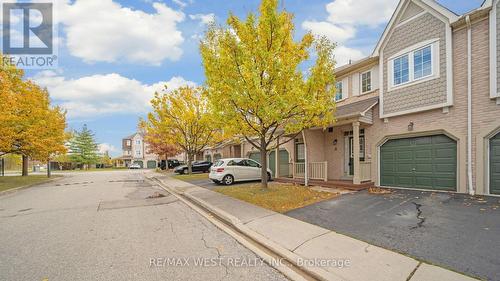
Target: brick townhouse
{"points": [[421, 112]]}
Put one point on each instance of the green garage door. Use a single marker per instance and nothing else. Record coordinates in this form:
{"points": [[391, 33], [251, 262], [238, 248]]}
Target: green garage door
{"points": [[424, 162], [255, 156], [151, 164], [495, 165], [284, 165]]}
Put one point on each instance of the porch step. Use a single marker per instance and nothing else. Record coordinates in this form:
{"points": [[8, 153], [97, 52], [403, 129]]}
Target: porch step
{"points": [[345, 184]]}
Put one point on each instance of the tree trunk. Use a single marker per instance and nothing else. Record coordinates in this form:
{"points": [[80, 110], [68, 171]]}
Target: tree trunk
{"points": [[263, 162], [25, 166], [190, 163], [48, 169]]}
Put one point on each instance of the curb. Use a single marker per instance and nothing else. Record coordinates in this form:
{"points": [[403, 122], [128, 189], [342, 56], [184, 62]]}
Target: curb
{"points": [[15, 189], [315, 272]]}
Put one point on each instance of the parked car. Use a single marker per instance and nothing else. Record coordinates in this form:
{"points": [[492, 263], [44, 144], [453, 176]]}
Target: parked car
{"points": [[172, 163], [228, 171], [197, 166], [134, 166]]}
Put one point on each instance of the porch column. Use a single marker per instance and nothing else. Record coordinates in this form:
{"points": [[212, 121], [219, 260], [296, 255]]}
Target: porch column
{"points": [[357, 171], [277, 158], [306, 170]]}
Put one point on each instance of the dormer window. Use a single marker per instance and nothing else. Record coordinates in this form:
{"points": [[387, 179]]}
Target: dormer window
{"points": [[338, 93], [401, 70], [366, 82], [422, 66], [414, 64]]}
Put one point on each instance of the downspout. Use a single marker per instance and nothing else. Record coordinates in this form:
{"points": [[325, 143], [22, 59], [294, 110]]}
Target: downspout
{"points": [[306, 173], [469, 106]]}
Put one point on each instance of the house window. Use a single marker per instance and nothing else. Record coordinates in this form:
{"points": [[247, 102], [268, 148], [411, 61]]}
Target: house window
{"points": [[138, 142], [338, 94], [422, 61], [366, 82], [401, 70], [128, 143], [417, 63], [138, 152], [300, 152]]}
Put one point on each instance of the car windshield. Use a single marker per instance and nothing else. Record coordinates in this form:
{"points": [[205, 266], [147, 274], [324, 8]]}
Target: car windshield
{"points": [[218, 163]]}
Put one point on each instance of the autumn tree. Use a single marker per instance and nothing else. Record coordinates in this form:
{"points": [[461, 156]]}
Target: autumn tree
{"points": [[255, 81], [183, 118], [83, 147], [30, 127], [158, 144]]}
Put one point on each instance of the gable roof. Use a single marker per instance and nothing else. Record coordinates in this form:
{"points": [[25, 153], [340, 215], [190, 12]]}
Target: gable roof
{"points": [[355, 109], [430, 5]]}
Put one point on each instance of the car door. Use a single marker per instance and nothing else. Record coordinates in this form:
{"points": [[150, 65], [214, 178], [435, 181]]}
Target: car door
{"points": [[240, 170], [253, 169]]}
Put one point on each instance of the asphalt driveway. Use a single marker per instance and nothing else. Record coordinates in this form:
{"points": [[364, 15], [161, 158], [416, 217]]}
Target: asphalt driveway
{"points": [[455, 231]]}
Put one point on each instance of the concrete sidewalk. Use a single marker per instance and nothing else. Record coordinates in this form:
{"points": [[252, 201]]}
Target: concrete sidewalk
{"points": [[321, 252]]}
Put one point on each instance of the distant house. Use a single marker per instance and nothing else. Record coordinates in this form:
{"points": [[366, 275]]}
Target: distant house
{"points": [[135, 151]]}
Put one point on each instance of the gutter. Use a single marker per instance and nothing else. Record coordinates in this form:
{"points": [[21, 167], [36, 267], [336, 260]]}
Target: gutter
{"points": [[306, 174], [469, 106]]}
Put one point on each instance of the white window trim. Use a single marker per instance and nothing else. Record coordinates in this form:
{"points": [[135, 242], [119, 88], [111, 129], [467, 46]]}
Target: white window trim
{"points": [[361, 82], [344, 96], [410, 51]]}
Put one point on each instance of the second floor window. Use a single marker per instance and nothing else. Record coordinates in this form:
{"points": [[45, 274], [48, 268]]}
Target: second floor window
{"points": [[128, 143], [338, 94], [138, 152], [422, 62], [366, 82], [137, 142], [401, 70]]}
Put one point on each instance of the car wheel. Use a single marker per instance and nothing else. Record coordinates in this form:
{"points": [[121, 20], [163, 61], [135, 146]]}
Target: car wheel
{"points": [[228, 180], [269, 177]]}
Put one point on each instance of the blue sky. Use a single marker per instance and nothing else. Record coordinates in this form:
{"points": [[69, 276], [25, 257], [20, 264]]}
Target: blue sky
{"points": [[113, 54]]}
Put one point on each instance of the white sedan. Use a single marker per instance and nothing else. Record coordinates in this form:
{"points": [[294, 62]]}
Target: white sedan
{"points": [[230, 170]]}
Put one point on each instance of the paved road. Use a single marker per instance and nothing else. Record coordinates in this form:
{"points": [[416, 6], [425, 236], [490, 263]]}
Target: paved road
{"points": [[99, 226], [455, 231]]}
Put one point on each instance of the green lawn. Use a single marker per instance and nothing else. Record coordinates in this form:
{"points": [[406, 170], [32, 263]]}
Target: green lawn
{"points": [[278, 197], [192, 177], [8, 182]]}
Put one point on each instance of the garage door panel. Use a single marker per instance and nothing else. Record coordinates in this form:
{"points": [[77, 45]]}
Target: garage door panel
{"points": [[405, 181], [423, 141], [404, 168], [495, 165], [422, 162], [423, 154]]}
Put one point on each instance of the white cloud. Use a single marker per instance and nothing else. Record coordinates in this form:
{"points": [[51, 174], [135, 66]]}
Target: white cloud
{"points": [[99, 94], [180, 3], [102, 30], [106, 147], [344, 19], [203, 18], [344, 54], [335, 33], [360, 12]]}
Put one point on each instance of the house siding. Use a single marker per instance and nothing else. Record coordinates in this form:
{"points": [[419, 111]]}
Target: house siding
{"points": [[422, 94], [497, 44], [485, 111]]}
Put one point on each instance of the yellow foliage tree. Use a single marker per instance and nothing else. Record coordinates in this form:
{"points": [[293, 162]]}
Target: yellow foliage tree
{"points": [[30, 127], [255, 81], [183, 118]]}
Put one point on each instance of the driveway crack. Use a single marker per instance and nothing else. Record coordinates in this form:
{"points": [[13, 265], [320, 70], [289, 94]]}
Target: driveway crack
{"points": [[419, 216]]}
